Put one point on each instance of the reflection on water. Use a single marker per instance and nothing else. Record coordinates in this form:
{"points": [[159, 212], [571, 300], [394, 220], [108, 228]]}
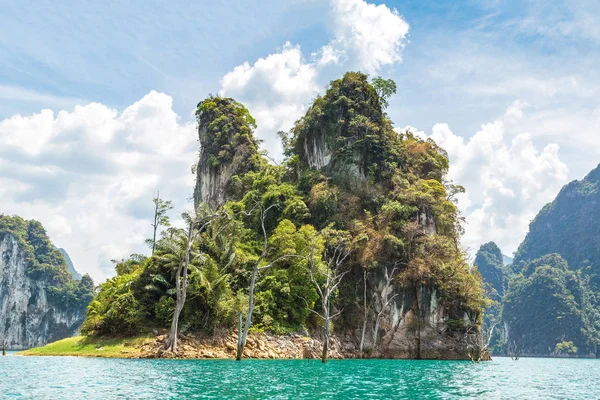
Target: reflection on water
{"points": [[81, 378]]}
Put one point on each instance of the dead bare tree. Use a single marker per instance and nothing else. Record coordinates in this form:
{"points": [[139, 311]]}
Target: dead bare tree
{"points": [[366, 313], [513, 351], [385, 301], [244, 327], [474, 349], [326, 280]]}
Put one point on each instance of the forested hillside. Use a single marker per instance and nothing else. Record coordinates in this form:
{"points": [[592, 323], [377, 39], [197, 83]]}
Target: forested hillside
{"points": [[551, 299], [567, 226], [549, 309]]}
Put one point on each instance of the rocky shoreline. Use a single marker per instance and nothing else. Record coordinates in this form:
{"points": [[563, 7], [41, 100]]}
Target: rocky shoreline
{"points": [[267, 346], [222, 345], [260, 346]]}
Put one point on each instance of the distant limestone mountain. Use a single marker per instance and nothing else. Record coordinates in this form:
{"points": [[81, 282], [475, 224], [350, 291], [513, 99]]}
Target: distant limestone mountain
{"points": [[76, 275], [568, 226], [506, 260], [40, 302], [551, 299], [489, 262]]}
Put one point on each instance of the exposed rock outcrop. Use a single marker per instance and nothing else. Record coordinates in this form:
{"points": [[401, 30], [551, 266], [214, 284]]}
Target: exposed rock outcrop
{"points": [[27, 319], [227, 149], [211, 181], [420, 327]]}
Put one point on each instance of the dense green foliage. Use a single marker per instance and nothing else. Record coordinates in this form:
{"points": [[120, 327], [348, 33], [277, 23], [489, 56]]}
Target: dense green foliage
{"points": [[403, 216], [548, 304], [46, 263]]}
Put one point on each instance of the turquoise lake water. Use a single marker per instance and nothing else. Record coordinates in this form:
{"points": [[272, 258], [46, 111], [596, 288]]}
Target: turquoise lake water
{"points": [[85, 378]]}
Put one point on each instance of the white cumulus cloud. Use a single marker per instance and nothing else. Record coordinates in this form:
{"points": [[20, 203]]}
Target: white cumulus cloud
{"points": [[372, 35], [275, 89], [89, 174], [507, 179], [278, 88]]}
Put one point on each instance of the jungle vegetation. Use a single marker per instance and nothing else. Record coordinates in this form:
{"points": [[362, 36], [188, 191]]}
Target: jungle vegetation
{"points": [[290, 247]]}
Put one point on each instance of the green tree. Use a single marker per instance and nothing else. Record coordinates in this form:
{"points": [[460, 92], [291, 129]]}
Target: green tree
{"points": [[161, 208], [566, 348], [264, 261], [385, 88]]}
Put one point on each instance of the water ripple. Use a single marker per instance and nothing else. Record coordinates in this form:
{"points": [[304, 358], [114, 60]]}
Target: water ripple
{"points": [[82, 378]]}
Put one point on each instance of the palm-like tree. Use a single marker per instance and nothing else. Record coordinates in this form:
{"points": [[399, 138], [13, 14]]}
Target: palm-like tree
{"points": [[177, 253]]}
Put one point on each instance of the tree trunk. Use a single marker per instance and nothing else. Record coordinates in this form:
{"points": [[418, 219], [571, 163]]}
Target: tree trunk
{"points": [[4, 346], [155, 222], [240, 349], [174, 328], [242, 343], [418, 317], [364, 328], [326, 323], [181, 288], [325, 340], [376, 333]]}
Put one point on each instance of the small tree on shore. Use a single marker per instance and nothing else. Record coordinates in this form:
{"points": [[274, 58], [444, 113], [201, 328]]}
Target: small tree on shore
{"points": [[326, 274], [260, 265], [196, 223], [566, 347]]}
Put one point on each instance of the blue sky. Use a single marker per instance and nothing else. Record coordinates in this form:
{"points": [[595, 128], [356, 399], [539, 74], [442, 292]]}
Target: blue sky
{"points": [[509, 88]]}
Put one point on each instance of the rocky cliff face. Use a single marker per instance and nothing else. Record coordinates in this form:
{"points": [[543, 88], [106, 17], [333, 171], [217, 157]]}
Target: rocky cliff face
{"points": [[227, 150], [347, 138], [418, 327], [26, 317], [211, 181]]}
